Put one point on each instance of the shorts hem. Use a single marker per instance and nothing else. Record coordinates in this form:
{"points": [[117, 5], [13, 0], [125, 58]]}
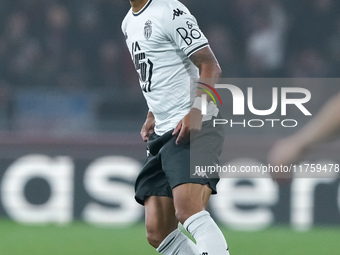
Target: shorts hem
{"points": [[208, 182], [142, 200]]}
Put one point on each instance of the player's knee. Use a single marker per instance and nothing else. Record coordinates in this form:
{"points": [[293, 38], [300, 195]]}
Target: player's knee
{"points": [[155, 235], [182, 214], [154, 239]]}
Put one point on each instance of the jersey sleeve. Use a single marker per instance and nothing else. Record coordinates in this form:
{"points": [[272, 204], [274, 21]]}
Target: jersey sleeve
{"points": [[181, 27]]}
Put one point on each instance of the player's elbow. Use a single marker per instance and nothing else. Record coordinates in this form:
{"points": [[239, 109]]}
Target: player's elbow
{"points": [[212, 70], [218, 70]]}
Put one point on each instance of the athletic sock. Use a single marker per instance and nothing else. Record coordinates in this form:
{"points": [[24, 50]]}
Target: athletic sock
{"points": [[208, 236], [176, 243]]}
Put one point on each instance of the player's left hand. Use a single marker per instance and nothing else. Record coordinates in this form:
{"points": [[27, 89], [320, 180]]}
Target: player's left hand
{"points": [[189, 125], [148, 127]]}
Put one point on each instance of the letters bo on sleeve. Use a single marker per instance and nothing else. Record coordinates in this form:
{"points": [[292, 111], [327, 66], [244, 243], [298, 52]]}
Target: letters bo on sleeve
{"points": [[182, 28]]}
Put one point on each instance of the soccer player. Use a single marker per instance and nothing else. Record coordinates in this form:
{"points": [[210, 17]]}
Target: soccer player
{"points": [[168, 49], [323, 127]]}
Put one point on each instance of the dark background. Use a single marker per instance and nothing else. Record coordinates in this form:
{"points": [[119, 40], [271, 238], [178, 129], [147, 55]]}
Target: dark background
{"points": [[65, 69]]}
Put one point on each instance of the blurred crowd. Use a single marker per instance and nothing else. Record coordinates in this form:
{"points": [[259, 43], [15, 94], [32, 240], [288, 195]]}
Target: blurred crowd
{"points": [[271, 38], [77, 45]]}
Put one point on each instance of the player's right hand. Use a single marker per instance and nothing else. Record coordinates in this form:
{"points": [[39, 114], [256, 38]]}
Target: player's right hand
{"points": [[148, 127]]}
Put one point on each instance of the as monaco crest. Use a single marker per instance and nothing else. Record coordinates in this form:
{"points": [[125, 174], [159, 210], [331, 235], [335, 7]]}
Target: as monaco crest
{"points": [[148, 30]]}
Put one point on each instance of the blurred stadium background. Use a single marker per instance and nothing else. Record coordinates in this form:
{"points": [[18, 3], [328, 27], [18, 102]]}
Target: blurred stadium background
{"points": [[71, 110]]}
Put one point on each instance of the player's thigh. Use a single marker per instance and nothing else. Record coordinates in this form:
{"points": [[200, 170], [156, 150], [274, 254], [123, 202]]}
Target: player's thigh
{"points": [[160, 219], [189, 199]]}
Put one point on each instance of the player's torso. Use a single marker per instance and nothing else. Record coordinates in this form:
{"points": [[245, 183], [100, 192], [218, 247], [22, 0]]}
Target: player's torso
{"points": [[160, 38], [152, 52]]}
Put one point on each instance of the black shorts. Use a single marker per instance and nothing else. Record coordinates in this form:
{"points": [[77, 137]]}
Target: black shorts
{"points": [[168, 165]]}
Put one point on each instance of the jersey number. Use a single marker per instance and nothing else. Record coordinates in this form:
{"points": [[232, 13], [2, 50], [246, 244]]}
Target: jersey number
{"points": [[143, 67]]}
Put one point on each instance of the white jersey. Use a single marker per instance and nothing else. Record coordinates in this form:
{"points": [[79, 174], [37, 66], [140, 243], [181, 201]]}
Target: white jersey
{"points": [[161, 37]]}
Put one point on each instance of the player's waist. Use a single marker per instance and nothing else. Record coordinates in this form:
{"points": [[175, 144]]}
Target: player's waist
{"points": [[163, 125]]}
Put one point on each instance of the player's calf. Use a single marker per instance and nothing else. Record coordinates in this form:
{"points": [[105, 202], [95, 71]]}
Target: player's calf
{"points": [[190, 201], [176, 243], [208, 236]]}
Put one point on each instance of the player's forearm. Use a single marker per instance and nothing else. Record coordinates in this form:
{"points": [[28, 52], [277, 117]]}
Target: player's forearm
{"points": [[324, 127], [210, 70], [210, 73]]}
